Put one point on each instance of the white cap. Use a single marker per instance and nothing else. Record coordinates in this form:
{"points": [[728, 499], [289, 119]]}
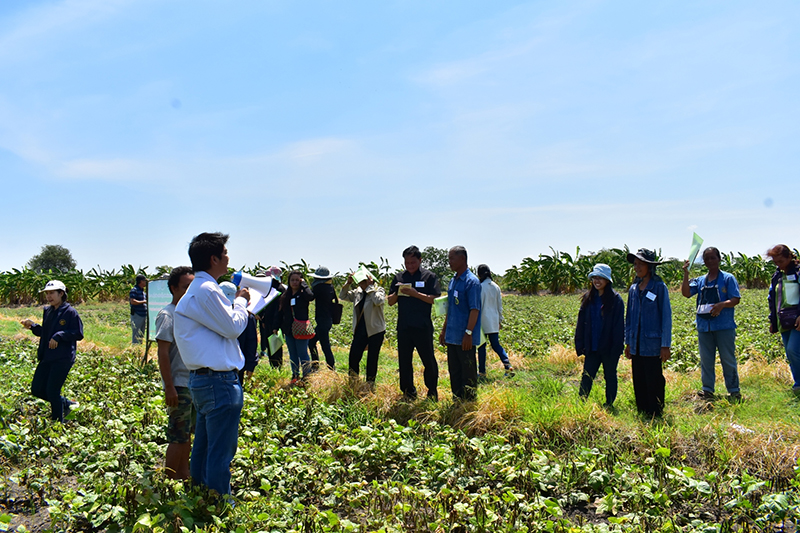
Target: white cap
{"points": [[54, 285], [229, 290]]}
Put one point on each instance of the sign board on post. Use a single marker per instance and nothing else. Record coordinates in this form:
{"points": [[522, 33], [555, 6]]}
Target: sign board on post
{"points": [[158, 297]]}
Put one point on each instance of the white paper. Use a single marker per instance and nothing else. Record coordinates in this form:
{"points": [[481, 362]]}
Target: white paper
{"points": [[259, 301], [704, 309]]}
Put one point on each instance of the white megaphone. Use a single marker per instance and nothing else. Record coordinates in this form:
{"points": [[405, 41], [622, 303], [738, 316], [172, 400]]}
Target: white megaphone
{"points": [[261, 291], [261, 284]]}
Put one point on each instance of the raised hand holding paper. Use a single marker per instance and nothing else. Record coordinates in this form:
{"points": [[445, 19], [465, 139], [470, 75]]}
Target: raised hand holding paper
{"points": [[697, 242]]}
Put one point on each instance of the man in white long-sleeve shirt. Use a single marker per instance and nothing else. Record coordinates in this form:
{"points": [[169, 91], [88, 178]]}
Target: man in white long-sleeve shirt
{"points": [[206, 332]]}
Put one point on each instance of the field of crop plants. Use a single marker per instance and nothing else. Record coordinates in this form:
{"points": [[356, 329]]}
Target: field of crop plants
{"points": [[527, 456]]}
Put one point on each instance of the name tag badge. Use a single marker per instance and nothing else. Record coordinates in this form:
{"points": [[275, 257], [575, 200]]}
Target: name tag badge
{"points": [[455, 294], [420, 284], [291, 302], [791, 277], [651, 296]]}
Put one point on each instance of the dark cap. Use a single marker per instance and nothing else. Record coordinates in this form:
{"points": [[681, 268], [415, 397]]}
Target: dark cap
{"points": [[644, 255]]}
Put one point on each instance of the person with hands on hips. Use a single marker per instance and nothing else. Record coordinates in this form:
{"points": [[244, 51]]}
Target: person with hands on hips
{"points": [[175, 377], [648, 333], [784, 306], [59, 332], [462, 326], [717, 294], [369, 325]]}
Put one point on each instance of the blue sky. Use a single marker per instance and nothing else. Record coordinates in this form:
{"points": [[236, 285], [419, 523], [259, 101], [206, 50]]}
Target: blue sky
{"points": [[343, 132]]}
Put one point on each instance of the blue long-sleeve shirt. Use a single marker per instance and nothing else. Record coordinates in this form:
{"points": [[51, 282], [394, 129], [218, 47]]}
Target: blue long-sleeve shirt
{"points": [[648, 323], [64, 326]]}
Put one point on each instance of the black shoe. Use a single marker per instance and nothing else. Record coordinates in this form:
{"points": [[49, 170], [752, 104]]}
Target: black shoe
{"points": [[735, 397], [706, 395]]}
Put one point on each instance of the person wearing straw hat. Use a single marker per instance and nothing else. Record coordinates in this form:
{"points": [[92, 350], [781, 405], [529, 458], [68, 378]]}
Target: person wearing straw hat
{"points": [[600, 333], [648, 333], [324, 298], [59, 332]]}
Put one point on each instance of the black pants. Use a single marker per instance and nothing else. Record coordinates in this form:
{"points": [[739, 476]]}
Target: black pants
{"points": [[362, 342], [463, 367], [591, 364], [422, 340], [648, 385], [323, 336], [48, 379]]}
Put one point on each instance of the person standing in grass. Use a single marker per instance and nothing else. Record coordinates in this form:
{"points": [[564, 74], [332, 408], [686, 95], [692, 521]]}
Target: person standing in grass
{"points": [[248, 340], [491, 319], [266, 319], [175, 378], [324, 299], [58, 334], [462, 326], [648, 333], [294, 306], [369, 325], [717, 294], [600, 333], [138, 301], [414, 290], [206, 330], [784, 306]]}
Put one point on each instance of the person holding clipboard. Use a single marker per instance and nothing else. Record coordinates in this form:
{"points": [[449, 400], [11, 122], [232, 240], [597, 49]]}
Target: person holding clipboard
{"points": [[717, 294]]}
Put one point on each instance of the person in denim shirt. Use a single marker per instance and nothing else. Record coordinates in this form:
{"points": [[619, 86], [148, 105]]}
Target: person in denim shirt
{"points": [[717, 294], [600, 333], [784, 305], [648, 333], [461, 327]]}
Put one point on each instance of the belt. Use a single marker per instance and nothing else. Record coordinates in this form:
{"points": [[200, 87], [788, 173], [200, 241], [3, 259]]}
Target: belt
{"points": [[209, 371]]}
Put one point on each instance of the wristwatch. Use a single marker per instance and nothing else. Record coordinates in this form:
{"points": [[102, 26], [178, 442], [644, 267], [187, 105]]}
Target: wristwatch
{"points": [[468, 331]]}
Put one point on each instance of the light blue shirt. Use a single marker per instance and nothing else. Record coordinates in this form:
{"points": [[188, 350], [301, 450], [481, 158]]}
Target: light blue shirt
{"points": [[727, 287]]}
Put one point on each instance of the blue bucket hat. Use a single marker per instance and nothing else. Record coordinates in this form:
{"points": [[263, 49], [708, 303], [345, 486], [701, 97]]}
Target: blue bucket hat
{"points": [[601, 270]]}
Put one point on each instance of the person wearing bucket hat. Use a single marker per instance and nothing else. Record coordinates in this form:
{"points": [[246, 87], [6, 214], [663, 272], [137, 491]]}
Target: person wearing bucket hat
{"points": [[648, 333], [324, 298], [600, 332], [59, 332], [138, 301], [248, 340]]}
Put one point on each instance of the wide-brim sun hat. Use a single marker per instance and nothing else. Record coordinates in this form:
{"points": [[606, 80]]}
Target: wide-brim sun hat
{"points": [[644, 255], [54, 285], [601, 270], [323, 273]]}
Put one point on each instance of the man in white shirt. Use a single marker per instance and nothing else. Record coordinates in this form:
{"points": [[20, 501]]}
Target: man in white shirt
{"points": [[206, 332]]}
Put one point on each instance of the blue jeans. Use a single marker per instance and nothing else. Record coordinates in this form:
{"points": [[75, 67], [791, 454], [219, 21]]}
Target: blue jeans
{"points": [[218, 399], [494, 339], [298, 354], [724, 341], [791, 342], [137, 328]]}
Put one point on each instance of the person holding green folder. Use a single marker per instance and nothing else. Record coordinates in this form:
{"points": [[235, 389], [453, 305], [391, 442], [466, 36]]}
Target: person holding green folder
{"points": [[717, 294]]}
